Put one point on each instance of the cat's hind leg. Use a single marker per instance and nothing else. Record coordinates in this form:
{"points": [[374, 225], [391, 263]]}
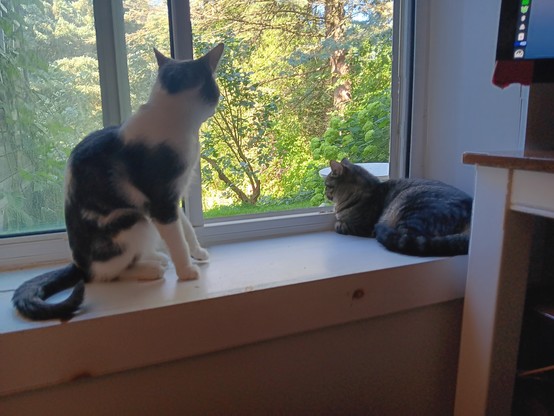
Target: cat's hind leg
{"points": [[150, 263], [131, 245], [196, 251], [108, 270], [150, 266], [158, 256]]}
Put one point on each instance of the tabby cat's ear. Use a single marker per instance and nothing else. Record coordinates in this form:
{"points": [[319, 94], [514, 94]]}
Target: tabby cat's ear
{"points": [[336, 168], [213, 57], [161, 58]]}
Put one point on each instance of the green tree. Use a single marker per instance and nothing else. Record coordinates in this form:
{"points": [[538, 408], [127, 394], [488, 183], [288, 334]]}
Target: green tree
{"points": [[28, 163], [326, 63], [362, 133], [237, 143], [49, 100], [146, 28]]}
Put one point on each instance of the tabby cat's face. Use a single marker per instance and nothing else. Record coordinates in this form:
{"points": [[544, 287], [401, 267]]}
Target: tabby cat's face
{"points": [[330, 183], [336, 178], [345, 179]]}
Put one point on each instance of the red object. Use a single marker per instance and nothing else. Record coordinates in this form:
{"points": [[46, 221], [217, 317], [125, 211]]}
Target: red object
{"points": [[511, 72]]}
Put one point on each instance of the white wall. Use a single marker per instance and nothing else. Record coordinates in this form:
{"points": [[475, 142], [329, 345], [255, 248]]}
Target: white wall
{"points": [[458, 109]]}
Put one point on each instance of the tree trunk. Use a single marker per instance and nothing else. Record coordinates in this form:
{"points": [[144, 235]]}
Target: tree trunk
{"points": [[247, 199], [334, 29]]}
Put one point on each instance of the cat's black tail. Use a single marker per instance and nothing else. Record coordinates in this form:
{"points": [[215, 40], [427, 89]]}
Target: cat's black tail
{"points": [[418, 245], [30, 298]]}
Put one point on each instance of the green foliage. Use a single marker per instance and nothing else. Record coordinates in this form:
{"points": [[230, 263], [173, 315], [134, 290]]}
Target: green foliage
{"points": [[362, 135], [46, 47], [362, 132], [237, 141], [145, 29], [23, 140]]}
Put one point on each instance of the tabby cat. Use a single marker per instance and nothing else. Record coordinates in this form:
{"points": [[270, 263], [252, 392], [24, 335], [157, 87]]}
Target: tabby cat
{"points": [[123, 190], [411, 216]]}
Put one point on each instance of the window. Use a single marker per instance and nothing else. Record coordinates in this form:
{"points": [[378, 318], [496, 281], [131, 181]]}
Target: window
{"points": [[301, 83]]}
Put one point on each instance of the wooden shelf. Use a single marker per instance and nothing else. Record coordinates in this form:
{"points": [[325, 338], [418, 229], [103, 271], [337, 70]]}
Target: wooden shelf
{"points": [[513, 190], [538, 161]]}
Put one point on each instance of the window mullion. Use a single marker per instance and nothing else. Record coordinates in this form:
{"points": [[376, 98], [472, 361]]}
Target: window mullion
{"points": [[181, 29], [112, 61], [402, 84], [181, 45]]}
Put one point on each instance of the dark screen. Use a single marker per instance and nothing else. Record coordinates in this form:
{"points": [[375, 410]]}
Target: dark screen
{"points": [[534, 41], [534, 30]]}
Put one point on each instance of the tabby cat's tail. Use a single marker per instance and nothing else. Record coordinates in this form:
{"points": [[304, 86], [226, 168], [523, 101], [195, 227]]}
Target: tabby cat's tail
{"points": [[418, 245], [30, 298]]}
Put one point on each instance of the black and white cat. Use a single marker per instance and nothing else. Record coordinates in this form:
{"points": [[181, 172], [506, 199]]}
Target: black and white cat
{"points": [[123, 189], [412, 216]]}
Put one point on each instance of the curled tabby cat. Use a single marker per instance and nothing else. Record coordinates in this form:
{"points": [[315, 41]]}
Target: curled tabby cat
{"points": [[411, 216]]}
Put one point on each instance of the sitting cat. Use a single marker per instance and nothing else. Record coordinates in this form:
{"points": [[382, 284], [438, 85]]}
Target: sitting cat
{"points": [[123, 189], [411, 216]]}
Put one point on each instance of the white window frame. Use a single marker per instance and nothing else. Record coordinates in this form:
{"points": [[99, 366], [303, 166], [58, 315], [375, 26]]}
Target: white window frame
{"points": [[31, 250]]}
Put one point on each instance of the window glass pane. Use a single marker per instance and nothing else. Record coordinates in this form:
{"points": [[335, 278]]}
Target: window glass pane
{"points": [[146, 28], [302, 82], [49, 99]]}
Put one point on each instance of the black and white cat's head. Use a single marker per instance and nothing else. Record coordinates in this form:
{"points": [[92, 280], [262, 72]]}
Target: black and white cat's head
{"points": [[346, 177], [190, 81]]}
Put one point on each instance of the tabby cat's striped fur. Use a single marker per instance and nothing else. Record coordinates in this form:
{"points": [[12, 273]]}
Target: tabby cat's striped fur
{"points": [[411, 216]]}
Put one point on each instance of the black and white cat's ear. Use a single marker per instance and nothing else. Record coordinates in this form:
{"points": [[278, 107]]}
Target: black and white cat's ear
{"points": [[336, 168], [161, 58], [213, 57]]}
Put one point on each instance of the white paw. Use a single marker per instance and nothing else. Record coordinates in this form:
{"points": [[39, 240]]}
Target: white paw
{"points": [[200, 254], [191, 272]]}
